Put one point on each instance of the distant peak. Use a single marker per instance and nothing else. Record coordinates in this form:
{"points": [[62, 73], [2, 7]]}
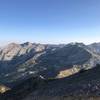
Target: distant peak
{"points": [[76, 43], [95, 43], [13, 44], [27, 44]]}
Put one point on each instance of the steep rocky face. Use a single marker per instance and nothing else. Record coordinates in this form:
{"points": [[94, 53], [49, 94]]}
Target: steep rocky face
{"points": [[20, 61], [15, 50], [16, 54], [9, 52]]}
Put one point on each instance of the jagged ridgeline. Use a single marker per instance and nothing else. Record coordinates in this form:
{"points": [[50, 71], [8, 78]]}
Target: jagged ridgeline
{"points": [[21, 61]]}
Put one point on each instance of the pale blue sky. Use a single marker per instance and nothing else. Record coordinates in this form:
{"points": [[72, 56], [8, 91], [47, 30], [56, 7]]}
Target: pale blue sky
{"points": [[49, 21]]}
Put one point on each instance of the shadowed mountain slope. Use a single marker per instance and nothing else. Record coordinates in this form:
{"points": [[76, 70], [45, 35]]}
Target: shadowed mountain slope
{"points": [[81, 86]]}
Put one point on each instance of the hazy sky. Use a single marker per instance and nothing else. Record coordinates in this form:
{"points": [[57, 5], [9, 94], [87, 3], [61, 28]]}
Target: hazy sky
{"points": [[49, 21]]}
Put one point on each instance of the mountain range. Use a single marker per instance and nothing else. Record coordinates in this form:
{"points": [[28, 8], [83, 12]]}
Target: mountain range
{"points": [[49, 70], [21, 61]]}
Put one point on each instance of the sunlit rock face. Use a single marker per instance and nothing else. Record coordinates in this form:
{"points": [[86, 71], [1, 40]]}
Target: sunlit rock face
{"points": [[3, 89], [68, 72], [16, 54], [9, 52], [15, 50]]}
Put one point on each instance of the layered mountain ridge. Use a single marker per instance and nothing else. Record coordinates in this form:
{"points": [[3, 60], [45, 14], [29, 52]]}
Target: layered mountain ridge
{"points": [[20, 61]]}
